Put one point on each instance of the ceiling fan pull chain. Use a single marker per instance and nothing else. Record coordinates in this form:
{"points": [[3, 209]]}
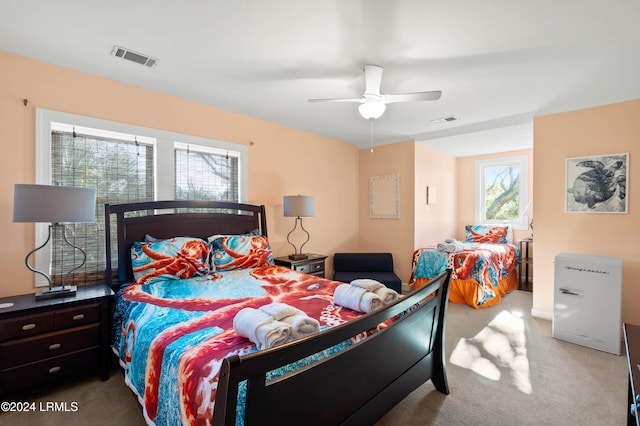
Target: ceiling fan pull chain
{"points": [[371, 120]]}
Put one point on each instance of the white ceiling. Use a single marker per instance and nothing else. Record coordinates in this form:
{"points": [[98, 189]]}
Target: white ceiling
{"points": [[497, 62]]}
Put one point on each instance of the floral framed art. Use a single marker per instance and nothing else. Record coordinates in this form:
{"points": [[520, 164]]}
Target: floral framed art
{"points": [[597, 184]]}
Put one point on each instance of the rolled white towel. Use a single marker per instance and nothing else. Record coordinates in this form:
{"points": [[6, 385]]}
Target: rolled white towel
{"points": [[367, 283], [453, 247], [261, 328], [301, 324], [356, 298], [388, 295], [449, 245]]}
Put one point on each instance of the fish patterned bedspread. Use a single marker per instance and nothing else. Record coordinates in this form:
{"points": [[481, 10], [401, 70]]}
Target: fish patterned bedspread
{"points": [[486, 264], [172, 335]]}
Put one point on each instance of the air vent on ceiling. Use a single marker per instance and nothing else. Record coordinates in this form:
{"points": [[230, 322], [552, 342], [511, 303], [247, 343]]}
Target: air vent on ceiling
{"points": [[445, 119], [132, 56]]}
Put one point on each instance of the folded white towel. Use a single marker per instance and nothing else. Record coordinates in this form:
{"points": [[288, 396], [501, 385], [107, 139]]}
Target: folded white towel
{"points": [[367, 283], [356, 298], [261, 328], [280, 310], [301, 324], [387, 295]]}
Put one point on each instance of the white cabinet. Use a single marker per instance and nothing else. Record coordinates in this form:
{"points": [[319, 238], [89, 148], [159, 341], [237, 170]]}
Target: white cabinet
{"points": [[587, 305]]}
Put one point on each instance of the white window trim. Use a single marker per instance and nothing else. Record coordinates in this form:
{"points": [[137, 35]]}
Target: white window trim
{"points": [[163, 157], [523, 162]]}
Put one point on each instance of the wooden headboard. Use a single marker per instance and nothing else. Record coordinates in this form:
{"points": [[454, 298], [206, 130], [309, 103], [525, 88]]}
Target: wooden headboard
{"points": [[164, 219]]}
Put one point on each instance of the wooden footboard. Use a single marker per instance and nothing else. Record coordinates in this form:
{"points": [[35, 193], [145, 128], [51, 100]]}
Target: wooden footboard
{"points": [[355, 386]]}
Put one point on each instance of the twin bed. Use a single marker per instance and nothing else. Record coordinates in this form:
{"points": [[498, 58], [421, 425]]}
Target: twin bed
{"points": [[483, 266], [183, 276]]}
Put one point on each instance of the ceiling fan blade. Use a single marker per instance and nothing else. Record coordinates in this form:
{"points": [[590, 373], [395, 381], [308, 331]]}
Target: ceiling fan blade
{"points": [[359, 100], [418, 96], [373, 79]]}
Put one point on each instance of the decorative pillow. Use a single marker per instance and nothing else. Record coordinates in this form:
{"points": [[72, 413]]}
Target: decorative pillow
{"points": [[174, 258], [240, 251], [252, 233], [487, 234]]}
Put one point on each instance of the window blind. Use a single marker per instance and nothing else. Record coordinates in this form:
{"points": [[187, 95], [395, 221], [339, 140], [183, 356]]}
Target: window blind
{"points": [[120, 170], [205, 174]]}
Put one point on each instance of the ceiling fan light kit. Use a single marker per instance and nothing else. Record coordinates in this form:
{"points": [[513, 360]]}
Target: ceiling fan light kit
{"points": [[373, 107], [373, 103]]}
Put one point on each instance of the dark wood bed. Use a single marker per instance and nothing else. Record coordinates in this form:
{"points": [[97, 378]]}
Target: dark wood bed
{"points": [[355, 386]]}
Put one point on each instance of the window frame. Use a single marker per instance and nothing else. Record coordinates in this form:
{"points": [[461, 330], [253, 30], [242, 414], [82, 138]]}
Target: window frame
{"points": [[163, 160], [522, 161]]}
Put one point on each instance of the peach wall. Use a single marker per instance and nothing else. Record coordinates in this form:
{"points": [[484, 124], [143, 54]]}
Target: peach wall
{"points": [[389, 235], [607, 129], [282, 161], [434, 222], [466, 190]]}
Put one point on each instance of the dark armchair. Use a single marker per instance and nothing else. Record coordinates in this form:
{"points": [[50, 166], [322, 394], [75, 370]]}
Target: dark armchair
{"points": [[377, 266]]}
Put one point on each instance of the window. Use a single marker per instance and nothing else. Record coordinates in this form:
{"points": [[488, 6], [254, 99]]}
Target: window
{"points": [[205, 173], [125, 163], [502, 191]]}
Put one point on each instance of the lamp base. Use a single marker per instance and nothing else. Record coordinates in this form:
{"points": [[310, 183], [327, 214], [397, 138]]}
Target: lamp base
{"points": [[54, 292], [298, 256]]}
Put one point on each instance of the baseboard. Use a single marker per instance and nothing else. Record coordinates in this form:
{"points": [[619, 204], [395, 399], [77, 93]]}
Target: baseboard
{"points": [[545, 315]]}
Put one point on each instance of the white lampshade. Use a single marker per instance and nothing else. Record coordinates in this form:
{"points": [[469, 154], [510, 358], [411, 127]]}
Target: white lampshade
{"points": [[299, 206], [56, 204], [372, 108]]}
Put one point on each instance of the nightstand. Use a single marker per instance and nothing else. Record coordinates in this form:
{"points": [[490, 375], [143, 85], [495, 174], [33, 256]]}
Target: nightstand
{"points": [[45, 340], [314, 265]]}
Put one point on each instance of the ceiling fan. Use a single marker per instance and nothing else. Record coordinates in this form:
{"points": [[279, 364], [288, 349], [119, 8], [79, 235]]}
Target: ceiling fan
{"points": [[373, 103]]}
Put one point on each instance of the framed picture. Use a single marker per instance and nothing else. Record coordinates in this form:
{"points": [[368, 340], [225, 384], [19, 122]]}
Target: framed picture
{"points": [[384, 197], [597, 184]]}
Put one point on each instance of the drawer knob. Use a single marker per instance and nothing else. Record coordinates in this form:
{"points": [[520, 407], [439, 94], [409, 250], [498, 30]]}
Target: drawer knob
{"points": [[55, 369], [54, 346], [28, 326], [78, 317]]}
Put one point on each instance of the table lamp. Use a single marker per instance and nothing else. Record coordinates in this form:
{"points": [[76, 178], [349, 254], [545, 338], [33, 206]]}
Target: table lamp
{"points": [[56, 205], [298, 206]]}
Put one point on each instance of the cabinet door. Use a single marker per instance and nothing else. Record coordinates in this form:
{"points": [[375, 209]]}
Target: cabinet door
{"points": [[588, 303]]}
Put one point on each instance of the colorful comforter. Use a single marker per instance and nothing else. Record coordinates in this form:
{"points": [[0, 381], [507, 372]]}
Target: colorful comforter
{"points": [[485, 267], [172, 335]]}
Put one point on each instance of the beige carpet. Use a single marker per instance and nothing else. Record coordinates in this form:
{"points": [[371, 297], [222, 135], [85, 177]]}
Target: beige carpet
{"points": [[503, 366]]}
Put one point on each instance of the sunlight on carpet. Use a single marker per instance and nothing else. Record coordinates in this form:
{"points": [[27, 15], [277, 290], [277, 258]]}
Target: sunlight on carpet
{"points": [[497, 348]]}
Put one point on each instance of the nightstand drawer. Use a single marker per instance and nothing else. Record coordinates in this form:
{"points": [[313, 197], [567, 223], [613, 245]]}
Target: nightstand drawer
{"points": [[28, 375], [49, 345], [310, 267], [74, 317], [26, 326]]}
